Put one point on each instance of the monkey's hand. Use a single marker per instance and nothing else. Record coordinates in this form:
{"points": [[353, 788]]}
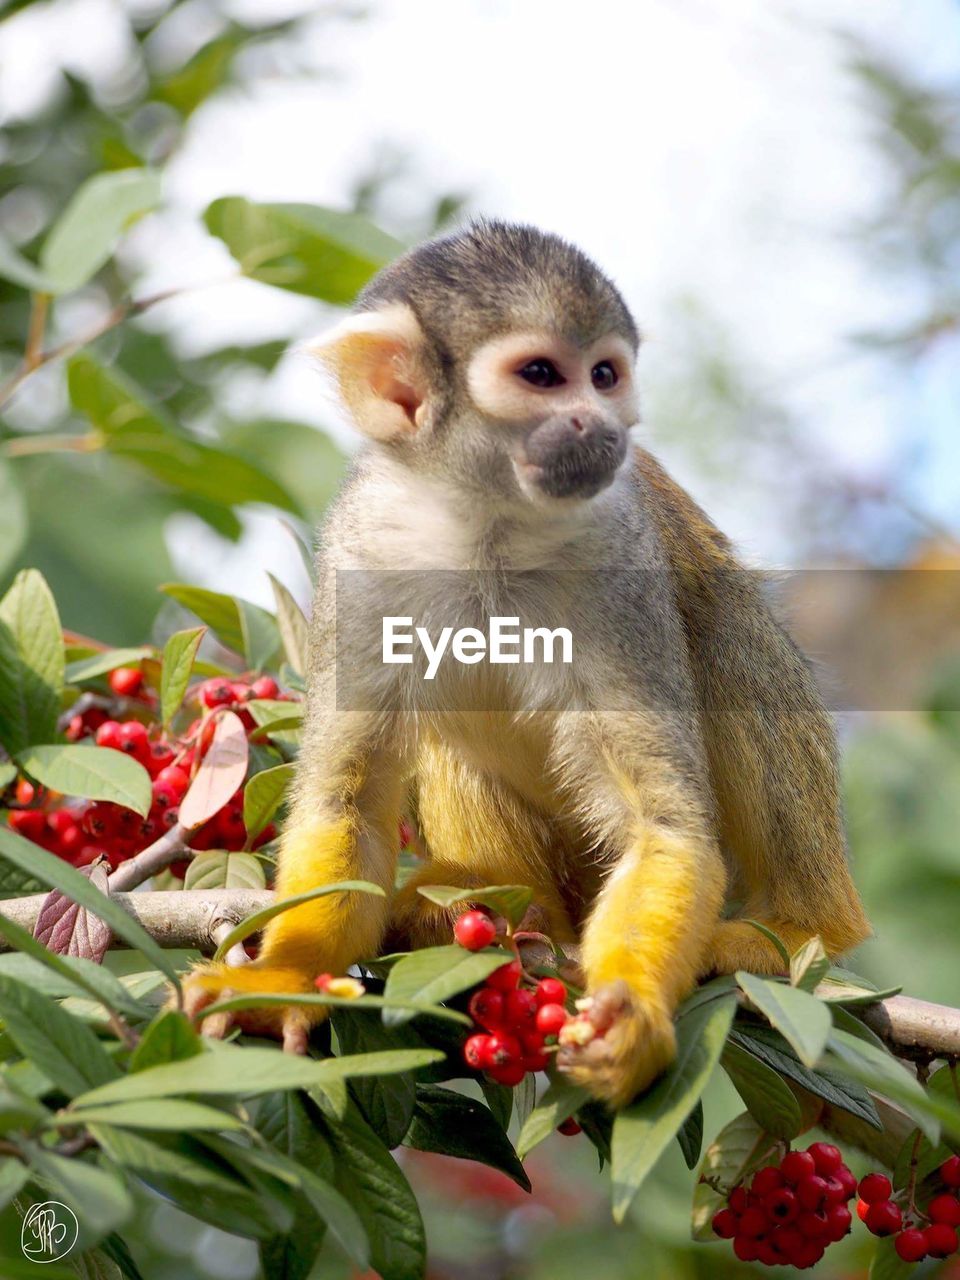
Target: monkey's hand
{"points": [[210, 983], [632, 1043]]}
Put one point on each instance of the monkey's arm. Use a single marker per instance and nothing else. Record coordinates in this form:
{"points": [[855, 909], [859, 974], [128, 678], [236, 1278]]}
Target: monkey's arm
{"points": [[645, 939], [342, 826], [769, 741]]}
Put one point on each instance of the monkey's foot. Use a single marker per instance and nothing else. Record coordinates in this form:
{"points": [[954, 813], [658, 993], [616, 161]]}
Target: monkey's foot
{"points": [[738, 945], [210, 983], [633, 1043]]}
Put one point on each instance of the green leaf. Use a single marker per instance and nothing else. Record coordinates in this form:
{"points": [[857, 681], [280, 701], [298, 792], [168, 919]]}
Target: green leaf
{"points": [[254, 923], [880, 1071], [263, 795], [524, 1099], [80, 974], [222, 870], [86, 233], [246, 1071], [170, 1037], [178, 1116], [99, 664], [771, 1102], [217, 610], [221, 772], [452, 1124], [434, 974], [258, 1000], [67, 976], [13, 516], [261, 638], [286, 1121], [642, 1130], [93, 773], [63, 1047], [305, 248], [387, 1102], [97, 1196], [508, 900], [561, 1100], [809, 964], [13, 1175], [57, 874], [770, 936], [293, 626], [195, 1180], [179, 654], [771, 1048], [8, 773], [31, 663], [802, 1019], [368, 1177], [690, 1136], [738, 1150], [887, 1263], [18, 269]]}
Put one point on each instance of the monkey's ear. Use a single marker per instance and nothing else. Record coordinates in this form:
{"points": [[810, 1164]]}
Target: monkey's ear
{"points": [[375, 357]]}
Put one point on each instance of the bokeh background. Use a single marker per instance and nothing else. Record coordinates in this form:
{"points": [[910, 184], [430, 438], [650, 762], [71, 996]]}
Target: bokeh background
{"points": [[776, 188]]}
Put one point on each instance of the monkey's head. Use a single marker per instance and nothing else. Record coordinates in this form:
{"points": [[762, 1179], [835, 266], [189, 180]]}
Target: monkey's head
{"points": [[499, 357]]}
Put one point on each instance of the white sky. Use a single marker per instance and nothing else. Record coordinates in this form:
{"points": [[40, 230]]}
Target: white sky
{"points": [[710, 147]]}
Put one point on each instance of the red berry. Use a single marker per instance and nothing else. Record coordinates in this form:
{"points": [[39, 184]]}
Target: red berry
{"points": [[808, 1255], [875, 1187], [826, 1157], [839, 1220], [883, 1218], [29, 823], [159, 757], [264, 687], [945, 1208], [768, 1254], [766, 1180], [836, 1192], [75, 729], [739, 1200], [505, 1049], [941, 1240], [753, 1222], [848, 1181], [88, 853], [811, 1192], [70, 842], [132, 738], [217, 693], [569, 1128], [550, 1018], [520, 1010], [950, 1171], [536, 1061], [862, 1208], [724, 1223], [174, 777], [786, 1240], [796, 1165], [813, 1224], [746, 1248], [126, 681], [100, 820], [510, 1076], [164, 796], [550, 991], [474, 930], [108, 735], [25, 792], [507, 977], [911, 1245], [780, 1205], [476, 1053]]}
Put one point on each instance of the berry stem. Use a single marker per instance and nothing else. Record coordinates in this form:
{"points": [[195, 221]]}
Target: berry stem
{"points": [[911, 1190]]}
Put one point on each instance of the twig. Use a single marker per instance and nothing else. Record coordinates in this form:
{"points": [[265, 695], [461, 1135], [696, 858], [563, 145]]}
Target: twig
{"points": [[170, 847], [175, 918], [39, 306], [237, 955], [916, 1028]]}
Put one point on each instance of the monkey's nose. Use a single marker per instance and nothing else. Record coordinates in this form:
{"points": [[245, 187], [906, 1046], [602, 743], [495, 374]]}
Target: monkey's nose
{"points": [[576, 424]]}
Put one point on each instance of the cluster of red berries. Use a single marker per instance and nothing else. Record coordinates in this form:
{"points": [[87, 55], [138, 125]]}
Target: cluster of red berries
{"points": [[913, 1243], [515, 1024], [792, 1211], [80, 833]]}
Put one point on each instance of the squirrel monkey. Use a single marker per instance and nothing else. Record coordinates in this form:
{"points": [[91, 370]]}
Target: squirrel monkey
{"points": [[685, 756]]}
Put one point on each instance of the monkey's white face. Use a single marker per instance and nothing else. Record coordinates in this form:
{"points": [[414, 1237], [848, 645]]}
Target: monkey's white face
{"points": [[564, 409]]}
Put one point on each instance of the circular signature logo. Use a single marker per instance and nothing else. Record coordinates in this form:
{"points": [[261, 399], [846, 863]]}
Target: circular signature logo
{"points": [[49, 1231]]}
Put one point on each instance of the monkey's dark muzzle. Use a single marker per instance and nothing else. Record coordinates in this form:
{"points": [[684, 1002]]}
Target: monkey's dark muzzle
{"points": [[575, 456]]}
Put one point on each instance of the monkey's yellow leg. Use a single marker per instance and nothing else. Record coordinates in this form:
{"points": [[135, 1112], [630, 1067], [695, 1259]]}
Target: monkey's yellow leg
{"points": [[738, 945], [642, 951], [323, 936]]}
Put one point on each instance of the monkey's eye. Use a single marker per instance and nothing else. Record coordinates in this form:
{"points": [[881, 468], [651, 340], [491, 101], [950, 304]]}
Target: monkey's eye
{"points": [[541, 373], [604, 376]]}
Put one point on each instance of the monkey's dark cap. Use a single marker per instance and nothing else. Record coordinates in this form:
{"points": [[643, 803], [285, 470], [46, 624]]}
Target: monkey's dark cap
{"points": [[493, 277]]}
